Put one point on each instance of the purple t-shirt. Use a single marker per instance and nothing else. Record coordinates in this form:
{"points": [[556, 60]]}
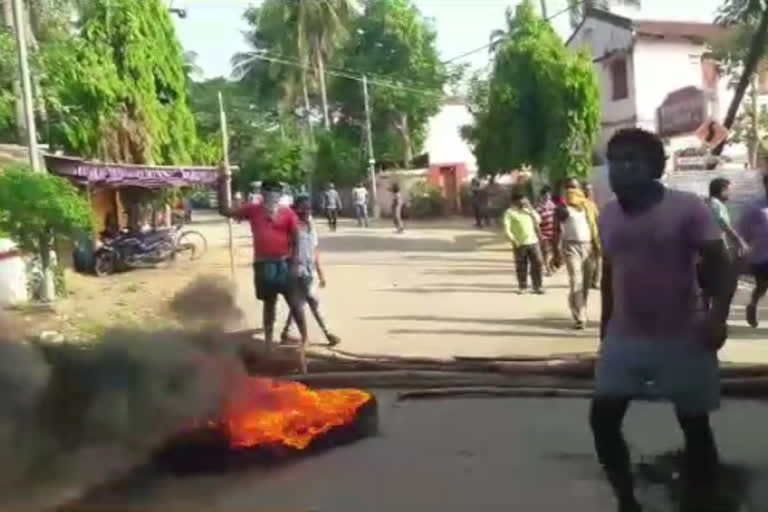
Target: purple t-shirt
{"points": [[753, 227], [653, 261]]}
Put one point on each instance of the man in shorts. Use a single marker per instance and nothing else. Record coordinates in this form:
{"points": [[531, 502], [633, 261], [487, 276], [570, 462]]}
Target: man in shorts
{"points": [[753, 227], [308, 265], [275, 230], [654, 329]]}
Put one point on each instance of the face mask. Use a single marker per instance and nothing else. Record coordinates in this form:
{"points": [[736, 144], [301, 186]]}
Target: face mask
{"points": [[271, 201]]}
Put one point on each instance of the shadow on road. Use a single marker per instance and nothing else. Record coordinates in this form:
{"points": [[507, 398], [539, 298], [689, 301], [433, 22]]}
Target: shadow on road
{"points": [[403, 243], [494, 334]]}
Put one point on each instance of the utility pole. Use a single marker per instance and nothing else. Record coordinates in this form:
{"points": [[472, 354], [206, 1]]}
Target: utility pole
{"points": [[371, 159], [544, 9], [26, 84], [227, 181]]}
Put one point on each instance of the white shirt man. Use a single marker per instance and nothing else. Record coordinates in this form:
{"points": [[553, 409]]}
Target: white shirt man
{"points": [[360, 198]]}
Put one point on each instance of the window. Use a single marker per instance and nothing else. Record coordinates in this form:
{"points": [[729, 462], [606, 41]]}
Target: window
{"points": [[619, 79]]}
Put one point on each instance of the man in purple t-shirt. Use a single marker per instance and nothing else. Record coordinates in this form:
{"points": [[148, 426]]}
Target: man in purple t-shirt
{"points": [[753, 228], [655, 330]]}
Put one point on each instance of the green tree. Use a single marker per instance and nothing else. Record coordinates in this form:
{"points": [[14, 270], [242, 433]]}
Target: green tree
{"points": [[339, 157], [396, 46], [36, 209], [307, 31], [276, 157], [540, 106], [119, 91]]}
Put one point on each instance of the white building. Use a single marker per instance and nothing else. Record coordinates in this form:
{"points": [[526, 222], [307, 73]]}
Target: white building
{"points": [[444, 143], [656, 75]]}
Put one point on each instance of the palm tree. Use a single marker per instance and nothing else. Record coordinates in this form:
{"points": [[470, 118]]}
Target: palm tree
{"points": [[307, 31]]}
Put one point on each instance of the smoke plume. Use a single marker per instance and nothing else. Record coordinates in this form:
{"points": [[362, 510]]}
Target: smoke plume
{"points": [[73, 416]]}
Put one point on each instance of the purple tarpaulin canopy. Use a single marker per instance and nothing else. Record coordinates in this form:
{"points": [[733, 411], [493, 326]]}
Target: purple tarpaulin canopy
{"points": [[120, 175]]}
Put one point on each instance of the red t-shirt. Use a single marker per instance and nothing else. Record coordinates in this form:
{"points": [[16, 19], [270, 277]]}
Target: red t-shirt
{"points": [[272, 239]]}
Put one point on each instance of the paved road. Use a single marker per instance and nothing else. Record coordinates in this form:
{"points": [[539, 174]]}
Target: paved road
{"points": [[466, 454], [446, 289]]}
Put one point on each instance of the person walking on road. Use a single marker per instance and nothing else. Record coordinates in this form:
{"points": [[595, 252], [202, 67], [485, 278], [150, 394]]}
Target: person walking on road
{"points": [[580, 241], [275, 233], [332, 205], [753, 227], [397, 208], [653, 328], [521, 226], [546, 209], [479, 197], [360, 198], [308, 263]]}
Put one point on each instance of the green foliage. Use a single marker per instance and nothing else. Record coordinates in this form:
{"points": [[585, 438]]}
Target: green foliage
{"points": [[8, 72], [395, 44], [37, 207], [425, 200], [540, 106], [273, 157], [339, 158], [118, 92]]}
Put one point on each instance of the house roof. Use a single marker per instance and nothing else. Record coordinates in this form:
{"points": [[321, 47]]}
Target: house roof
{"points": [[703, 32]]}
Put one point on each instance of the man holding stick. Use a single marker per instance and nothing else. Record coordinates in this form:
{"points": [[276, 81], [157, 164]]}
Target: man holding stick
{"points": [[275, 232]]}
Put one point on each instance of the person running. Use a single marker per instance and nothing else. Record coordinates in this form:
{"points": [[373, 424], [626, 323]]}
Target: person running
{"points": [[597, 258], [332, 205], [275, 233], [753, 227], [521, 224], [653, 329], [397, 208], [580, 241], [360, 198], [308, 262], [546, 208]]}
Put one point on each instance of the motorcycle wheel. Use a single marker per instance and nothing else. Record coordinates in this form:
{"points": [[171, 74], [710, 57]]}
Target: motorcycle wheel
{"points": [[192, 242], [104, 264]]}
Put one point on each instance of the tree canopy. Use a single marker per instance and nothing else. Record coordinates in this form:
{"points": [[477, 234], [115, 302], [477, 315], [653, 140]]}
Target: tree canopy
{"points": [[396, 46], [119, 91], [539, 107]]}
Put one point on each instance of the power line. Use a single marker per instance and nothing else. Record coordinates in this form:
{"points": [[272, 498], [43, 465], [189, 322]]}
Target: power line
{"points": [[488, 45]]}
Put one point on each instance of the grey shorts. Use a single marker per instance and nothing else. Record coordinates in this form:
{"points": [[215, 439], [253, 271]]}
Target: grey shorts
{"points": [[686, 375]]}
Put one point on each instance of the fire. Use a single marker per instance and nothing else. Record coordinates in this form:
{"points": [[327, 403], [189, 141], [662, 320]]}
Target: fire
{"points": [[268, 412]]}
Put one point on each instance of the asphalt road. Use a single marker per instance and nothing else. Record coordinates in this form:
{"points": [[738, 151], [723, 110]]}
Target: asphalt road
{"points": [[466, 454]]}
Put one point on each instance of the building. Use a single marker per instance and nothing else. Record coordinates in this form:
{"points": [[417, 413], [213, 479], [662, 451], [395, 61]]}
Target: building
{"points": [[657, 75]]}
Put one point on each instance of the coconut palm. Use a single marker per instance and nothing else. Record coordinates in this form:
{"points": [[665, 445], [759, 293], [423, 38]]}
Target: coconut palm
{"points": [[307, 31]]}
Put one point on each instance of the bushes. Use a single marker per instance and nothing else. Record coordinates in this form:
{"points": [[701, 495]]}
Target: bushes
{"points": [[425, 200]]}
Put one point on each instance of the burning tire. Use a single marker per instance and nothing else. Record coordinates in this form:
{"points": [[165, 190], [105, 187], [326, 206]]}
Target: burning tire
{"points": [[212, 449]]}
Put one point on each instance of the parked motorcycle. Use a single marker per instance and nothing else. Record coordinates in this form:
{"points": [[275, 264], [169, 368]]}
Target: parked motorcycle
{"points": [[127, 250]]}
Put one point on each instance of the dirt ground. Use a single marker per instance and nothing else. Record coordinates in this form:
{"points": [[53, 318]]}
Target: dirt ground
{"points": [[440, 289]]}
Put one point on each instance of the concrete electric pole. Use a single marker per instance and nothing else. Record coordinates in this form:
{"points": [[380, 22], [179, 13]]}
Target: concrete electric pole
{"points": [[26, 84], [371, 159]]}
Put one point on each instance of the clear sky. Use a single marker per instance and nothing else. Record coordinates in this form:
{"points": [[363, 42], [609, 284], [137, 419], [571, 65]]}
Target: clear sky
{"points": [[213, 28]]}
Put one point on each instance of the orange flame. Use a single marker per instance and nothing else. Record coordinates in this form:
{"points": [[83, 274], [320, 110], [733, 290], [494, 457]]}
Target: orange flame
{"points": [[265, 411]]}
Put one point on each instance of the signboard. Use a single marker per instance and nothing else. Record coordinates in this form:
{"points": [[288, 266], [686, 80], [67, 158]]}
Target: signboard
{"points": [[711, 132], [683, 111]]}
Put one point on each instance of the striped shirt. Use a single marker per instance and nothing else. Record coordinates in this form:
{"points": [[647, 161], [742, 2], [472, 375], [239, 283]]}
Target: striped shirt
{"points": [[547, 226]]}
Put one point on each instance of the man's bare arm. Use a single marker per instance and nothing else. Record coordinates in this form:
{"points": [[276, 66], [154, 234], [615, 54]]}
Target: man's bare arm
{"points": [[226, 208], [606, 295]]}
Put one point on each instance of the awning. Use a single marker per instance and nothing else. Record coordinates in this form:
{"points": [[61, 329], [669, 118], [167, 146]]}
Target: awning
{"points": [[122, 175]]}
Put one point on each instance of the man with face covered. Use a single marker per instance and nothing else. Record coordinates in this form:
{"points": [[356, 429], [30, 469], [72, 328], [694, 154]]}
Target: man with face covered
{"points": [[275, 231], [654, 329]]}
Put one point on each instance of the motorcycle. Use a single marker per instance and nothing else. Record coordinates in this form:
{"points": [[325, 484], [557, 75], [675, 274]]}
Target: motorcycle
{"points": [[128, 250]]}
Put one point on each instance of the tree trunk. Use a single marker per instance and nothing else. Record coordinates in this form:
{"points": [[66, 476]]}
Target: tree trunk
{"points": [[756, 50], [753, 151], [307, 106], [323, 92], [47, 285], [21, 126], [405, 135], [37, 90]]}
